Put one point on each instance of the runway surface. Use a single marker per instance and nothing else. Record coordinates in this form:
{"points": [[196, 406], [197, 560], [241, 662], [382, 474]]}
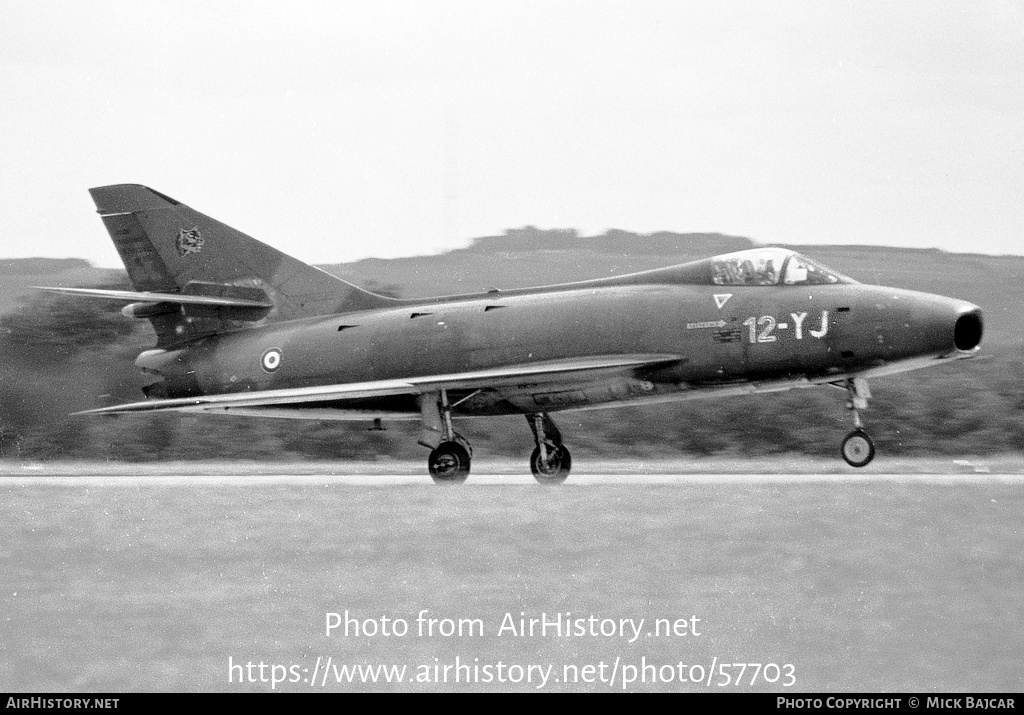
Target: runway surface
{"points": [[900, 577], [501, 480]]}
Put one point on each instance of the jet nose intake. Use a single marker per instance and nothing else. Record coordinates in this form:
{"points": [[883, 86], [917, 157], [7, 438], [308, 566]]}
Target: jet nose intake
{"points": [[968, 329]]}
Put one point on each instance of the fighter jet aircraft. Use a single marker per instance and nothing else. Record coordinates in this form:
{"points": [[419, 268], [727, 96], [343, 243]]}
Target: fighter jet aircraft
{"points": [[243, 329]]}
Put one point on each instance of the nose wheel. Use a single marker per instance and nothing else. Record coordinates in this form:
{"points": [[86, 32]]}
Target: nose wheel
{"points": [[858, 449]]}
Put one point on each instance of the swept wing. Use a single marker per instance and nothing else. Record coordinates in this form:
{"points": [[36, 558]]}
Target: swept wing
{"points": [[582, 368]]}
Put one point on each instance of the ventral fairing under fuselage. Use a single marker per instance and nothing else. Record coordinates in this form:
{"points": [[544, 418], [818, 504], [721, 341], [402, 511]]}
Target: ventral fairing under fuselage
{"points": [[243, 329]]}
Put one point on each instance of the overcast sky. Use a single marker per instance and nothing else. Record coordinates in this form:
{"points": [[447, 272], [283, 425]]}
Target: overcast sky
{"points": [[341, 130]]}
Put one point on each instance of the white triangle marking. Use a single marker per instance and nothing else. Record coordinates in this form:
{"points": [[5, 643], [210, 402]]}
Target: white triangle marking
{"points": [[721, 299]]}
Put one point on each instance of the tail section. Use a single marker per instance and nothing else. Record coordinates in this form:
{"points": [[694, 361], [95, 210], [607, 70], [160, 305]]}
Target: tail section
{"points": [[168, 247]]}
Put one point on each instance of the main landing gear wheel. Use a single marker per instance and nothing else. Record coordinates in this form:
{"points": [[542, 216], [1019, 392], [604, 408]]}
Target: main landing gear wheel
{"points": [[554, 469], [550, 461], [858, 449], [449, 463]]}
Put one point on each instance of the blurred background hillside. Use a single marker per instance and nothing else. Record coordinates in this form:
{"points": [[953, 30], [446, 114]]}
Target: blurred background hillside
{"points": [[60, 355]]}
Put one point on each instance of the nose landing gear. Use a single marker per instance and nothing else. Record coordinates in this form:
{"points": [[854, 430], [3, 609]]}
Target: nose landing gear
{"points": [[857, 448]]}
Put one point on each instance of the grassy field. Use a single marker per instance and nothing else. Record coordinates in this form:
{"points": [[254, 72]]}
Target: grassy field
{"points": [[874, 586]]}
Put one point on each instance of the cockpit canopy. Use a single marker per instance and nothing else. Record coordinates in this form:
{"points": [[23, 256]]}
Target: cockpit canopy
{"points": [[769, 267]]}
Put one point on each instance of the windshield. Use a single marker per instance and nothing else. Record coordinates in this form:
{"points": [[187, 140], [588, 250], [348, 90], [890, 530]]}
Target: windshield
{"points": [[803, 271], [768, 267], [756, 267]]}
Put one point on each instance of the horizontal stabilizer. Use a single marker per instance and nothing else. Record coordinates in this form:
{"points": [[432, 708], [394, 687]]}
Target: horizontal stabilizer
{"points": [[131, 295], [585, 368]]}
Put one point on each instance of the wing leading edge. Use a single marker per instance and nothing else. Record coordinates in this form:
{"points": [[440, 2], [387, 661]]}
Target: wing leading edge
{"points": [[475, 379]]}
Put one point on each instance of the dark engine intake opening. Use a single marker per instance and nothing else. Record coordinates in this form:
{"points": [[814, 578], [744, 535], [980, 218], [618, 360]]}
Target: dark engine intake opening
{"points": [[967, 331]]}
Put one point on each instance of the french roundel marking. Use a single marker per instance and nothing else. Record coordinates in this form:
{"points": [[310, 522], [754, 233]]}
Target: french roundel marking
{"points": [[271, 359]]}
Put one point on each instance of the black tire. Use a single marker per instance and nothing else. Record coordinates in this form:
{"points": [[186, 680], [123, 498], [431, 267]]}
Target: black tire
{"points": [[556, 469], [449, 463], [857, 449]]}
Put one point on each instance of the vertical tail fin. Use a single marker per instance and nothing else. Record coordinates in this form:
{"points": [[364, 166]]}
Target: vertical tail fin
{"points": [[168, 247]]}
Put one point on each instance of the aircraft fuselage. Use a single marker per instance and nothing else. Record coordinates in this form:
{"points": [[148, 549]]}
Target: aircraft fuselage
{"points": [[725, 335]]}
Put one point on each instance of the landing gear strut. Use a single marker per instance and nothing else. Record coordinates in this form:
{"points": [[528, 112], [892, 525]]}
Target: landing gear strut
{"points": [[550, 461], [857, 448], [450, 460], [451, 454]]}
